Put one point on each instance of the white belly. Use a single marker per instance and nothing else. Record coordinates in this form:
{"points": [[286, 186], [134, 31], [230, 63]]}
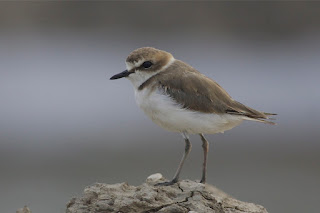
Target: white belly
{"points": [[165, 112]]}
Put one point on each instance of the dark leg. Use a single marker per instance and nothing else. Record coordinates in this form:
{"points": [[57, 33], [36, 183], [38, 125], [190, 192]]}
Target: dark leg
{"points": [[205, 146], [187, 150]]}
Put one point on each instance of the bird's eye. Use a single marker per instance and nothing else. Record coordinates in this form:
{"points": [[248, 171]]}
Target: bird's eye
{"points": [[147, 64]]}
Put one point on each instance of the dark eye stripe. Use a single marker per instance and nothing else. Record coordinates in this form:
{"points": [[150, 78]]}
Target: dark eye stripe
{"points": [[147, 64]]}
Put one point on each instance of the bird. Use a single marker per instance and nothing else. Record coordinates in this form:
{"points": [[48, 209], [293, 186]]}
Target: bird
{"points": [[180, 99]]}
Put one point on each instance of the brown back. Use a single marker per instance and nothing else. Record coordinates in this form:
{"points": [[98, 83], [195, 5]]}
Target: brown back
{"points": [[194, 91]]}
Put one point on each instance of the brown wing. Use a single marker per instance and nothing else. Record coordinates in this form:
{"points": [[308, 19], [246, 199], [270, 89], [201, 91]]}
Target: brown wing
{"points": [[194, 91]]}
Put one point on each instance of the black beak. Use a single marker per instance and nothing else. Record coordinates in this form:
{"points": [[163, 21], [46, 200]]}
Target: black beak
{"points": [[121, 75]]}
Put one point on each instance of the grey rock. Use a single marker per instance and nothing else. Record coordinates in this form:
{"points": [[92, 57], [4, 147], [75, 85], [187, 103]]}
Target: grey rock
{"points": [[183, 197], [25, 209]]}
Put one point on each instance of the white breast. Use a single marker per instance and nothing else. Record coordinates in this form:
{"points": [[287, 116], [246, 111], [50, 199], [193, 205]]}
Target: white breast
{"points": [[165, 112]]}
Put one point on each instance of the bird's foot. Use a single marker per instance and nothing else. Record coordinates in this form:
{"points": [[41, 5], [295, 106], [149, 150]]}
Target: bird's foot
{"points": [[168, 183]]}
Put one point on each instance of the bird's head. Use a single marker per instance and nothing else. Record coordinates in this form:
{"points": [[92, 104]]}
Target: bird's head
{"points": [[143, 63]]}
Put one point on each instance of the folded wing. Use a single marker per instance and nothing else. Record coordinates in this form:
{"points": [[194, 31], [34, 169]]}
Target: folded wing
{"points": [[194, 91]]}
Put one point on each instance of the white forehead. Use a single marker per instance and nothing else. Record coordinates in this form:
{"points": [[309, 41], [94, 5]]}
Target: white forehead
{"points": [[130, 65]]}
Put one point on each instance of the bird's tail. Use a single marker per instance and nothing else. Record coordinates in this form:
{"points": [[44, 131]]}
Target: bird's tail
{"points": [[251, 114], [265, 120]]}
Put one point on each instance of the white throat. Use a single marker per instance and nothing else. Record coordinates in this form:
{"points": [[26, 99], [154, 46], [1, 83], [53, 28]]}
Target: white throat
{"points": [[139, 77]]}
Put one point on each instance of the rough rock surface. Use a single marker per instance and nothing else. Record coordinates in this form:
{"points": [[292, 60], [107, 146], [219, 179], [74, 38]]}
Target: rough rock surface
{"points": [[24, 210], [183, 197]]}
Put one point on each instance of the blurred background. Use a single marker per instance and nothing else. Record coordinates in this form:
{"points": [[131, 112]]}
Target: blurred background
{"points": [[64, 125]]}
